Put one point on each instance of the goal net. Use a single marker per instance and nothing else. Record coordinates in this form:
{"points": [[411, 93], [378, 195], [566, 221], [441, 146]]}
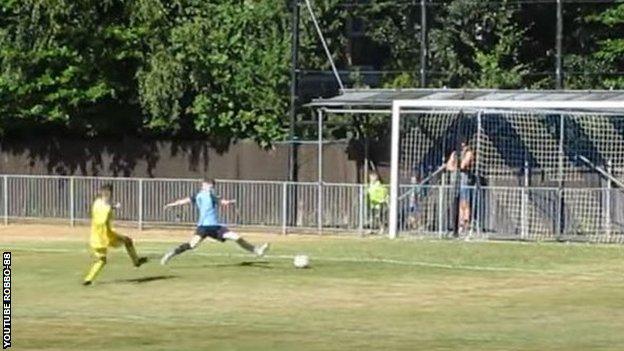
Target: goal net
{"points": [[508, 169]]}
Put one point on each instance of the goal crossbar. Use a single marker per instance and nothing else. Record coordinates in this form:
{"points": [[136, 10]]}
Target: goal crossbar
{"points": [[602, 105], [400, 105]]}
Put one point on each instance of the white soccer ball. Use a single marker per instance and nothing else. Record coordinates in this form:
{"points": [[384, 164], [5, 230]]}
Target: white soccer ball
{"points": [[301, 261]]}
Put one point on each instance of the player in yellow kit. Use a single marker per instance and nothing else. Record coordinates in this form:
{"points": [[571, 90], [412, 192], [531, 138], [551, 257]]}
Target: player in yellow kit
{"points": [[103, 236]]}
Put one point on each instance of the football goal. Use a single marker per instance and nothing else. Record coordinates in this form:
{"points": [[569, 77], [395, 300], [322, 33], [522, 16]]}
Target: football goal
{"points": [[519, 169]]}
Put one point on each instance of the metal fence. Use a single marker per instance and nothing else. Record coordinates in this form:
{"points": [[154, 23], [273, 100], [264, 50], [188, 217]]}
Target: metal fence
{"points": [[519, 213], [280, 206], [516, 213]]}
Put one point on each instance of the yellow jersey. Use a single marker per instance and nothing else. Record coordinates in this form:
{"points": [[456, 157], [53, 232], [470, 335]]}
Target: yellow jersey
{"points": [[102, 234], [377, 194]]}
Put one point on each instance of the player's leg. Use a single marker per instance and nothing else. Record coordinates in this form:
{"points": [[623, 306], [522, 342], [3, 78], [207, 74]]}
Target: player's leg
{"points": [[468, 213], [226, 234], [96, 267], [191, 244], [375, 218], [129, 245], [464, 213], [462, 219], [383, 213], [464, 194]]}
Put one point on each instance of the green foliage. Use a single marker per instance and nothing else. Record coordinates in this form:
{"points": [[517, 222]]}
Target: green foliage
{"points": [[498, 64], [224, 66], [60, 60], [333, 20], [477, 44], [402, 80], [611, 49], [218, 68], [395, 28]]}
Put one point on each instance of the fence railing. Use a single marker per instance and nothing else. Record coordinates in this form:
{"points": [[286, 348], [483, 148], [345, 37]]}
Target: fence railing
{"points": [[520, 213], [277, 205]]}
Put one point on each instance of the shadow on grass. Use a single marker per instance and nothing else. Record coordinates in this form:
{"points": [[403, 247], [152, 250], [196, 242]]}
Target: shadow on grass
{"points": [[244, 264], [145, 279], [254, 264]]}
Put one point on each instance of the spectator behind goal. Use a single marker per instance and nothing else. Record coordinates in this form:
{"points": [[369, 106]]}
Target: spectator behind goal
{"points": [[377, 194]]}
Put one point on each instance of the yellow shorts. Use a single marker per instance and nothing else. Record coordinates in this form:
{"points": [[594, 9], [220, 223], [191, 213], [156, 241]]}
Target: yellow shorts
{"points": [[114, 240]]}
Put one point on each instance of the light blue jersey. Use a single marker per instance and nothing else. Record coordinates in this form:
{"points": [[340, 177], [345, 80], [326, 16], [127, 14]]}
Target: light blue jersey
{"points": [[207, 204]]}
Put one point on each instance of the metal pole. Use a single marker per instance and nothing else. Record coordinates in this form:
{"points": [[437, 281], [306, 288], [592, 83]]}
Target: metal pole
{"points": [[600, 170], [525, 199], [394, 171], [361, 209], [5, 188], [423, 43], [366, 150], [608, 201], [284, 206], [560, 216], [359, 111], [559, 46], [441, 190], [324, 43], [320, 172], [410, 106], [72, 200], [292, 152], [478, 190], [457, 175], [140, 209]]}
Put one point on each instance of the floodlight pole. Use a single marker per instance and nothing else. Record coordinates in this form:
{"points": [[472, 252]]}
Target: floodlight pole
{"points": [[292, 151], [559, 46], [423, 43], [293, 147]]}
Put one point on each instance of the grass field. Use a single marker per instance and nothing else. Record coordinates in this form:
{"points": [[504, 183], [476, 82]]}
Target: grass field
{"points": [[360, 294]]}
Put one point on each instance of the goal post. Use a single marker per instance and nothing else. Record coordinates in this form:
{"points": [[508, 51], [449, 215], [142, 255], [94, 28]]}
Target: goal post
{"points": [[507, 134]]}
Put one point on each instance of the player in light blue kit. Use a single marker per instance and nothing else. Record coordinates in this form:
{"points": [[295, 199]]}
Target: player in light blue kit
{"points": [[207, 204]]}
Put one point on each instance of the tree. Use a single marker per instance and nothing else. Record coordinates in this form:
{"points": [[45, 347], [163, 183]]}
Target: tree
{"points": [[498, 61], [333, 19], [610, 54], [394, 28], [221, 67], [94, 67], [66, 64], [477, 44]]}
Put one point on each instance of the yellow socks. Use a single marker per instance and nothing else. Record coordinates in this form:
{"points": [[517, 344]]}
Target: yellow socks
{"points": [[95, 269]]}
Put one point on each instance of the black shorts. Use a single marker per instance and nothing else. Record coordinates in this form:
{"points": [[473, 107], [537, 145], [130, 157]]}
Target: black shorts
{"points": [[213, 231]]}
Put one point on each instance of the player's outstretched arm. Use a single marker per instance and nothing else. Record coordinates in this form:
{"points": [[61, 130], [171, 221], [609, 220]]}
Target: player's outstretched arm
{"points": [[180, 202], [228, 202]]}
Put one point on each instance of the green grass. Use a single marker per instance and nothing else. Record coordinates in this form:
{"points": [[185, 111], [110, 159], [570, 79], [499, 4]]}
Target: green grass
{"points": [[360, 294]]}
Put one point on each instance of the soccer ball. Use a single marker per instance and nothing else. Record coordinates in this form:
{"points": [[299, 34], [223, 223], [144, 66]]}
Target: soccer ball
{"points": [[301, 261]]}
